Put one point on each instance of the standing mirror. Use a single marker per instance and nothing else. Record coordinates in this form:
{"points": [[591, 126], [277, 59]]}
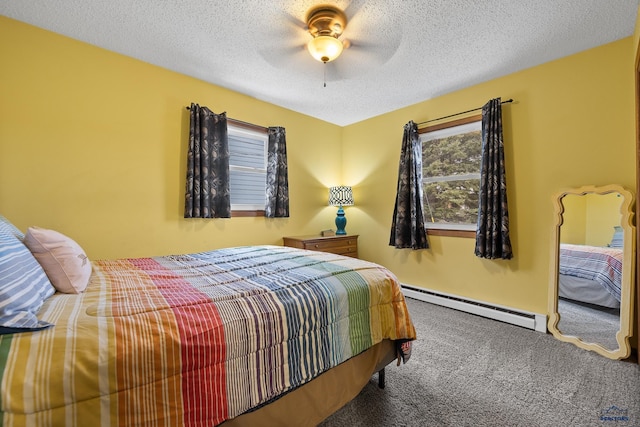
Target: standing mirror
{"points": [[591, 286]]}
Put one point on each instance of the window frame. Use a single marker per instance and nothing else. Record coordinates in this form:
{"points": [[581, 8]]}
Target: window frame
{"points": [[449, 124], [238, 126]]}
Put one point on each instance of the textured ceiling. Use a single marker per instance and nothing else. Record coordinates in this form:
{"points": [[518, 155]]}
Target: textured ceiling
{"points": [[403, 51]]}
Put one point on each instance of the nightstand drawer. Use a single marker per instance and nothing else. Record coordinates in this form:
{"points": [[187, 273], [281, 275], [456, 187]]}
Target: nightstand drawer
{"points": [[322, 245], [342, 245], [336, 249]]}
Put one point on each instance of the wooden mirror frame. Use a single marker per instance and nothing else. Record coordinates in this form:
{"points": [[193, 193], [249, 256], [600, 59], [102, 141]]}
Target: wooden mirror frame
{"points": [[628, 280]]}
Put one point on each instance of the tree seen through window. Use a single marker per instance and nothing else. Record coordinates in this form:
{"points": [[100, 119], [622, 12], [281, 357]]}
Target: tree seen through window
{"points": [[451, 176]]}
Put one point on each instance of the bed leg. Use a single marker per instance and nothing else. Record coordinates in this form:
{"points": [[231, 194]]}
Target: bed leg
{"points": [[381, 378]]}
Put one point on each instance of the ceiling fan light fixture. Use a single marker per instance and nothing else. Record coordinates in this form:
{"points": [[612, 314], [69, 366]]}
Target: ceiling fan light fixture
{"points": [[325, 48], [325, 24]]}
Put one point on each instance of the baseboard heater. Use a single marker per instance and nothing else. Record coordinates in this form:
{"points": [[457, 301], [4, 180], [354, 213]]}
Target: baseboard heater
{"points": [[535, 321]]}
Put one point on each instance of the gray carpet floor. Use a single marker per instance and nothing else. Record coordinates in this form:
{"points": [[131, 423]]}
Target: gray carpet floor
{"points": [[467, 370], [590, 324]]}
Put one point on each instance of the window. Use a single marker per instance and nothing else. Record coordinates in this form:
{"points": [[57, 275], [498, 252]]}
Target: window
{"points": [[247, 169], [451, 154]]}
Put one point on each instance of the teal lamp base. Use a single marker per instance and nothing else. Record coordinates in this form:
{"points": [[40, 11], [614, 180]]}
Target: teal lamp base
{"points": [[341, 222]]}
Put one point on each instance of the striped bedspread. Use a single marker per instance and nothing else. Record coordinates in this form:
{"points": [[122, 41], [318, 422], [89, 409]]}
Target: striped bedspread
{"points": [[603, 265], [195, 339]]}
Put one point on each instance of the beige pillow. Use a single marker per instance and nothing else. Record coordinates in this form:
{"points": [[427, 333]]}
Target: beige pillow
{"points": [[64, 261]]}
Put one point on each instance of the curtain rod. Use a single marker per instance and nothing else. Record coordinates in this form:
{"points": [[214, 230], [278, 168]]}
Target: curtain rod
{"points": [[457, 114], [241, 123]]}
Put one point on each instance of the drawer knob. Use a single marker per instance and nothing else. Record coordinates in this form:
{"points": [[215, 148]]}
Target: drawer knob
{"points": [[316, 245]]}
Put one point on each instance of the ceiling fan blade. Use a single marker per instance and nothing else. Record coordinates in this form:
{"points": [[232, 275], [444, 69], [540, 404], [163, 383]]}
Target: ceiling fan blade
{"points": [[353, 8], [383, 48], [294, 21], [289, 56], [362, 57], [290, 45], [371, 40]]}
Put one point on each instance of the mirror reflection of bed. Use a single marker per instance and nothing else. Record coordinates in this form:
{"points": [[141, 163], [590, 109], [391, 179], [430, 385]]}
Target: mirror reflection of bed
{"points": [[590, 268], [592, 276]]}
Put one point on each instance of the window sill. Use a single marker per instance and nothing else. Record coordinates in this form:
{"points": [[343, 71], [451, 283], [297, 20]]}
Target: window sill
{"points": [[469, 234], [236, 214]]}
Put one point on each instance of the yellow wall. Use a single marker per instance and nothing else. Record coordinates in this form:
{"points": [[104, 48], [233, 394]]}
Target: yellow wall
{"points": [[92, 144], [572, 124], [603, 214], [590, 219], [574, 220]]}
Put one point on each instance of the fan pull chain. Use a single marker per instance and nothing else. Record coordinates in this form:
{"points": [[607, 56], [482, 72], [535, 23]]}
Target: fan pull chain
{"points": [[324, 74]]}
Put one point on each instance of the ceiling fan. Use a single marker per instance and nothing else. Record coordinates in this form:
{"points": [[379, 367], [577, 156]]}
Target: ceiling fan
{"points": [[325, 32]]}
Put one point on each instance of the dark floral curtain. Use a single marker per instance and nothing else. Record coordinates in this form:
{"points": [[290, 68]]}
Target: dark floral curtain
{"points": [[277, 205], [492, 233], [407, 228], [207, 193]]}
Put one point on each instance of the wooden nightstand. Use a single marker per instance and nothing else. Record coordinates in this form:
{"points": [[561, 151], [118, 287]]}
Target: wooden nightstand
{"points": [[342, 245]]}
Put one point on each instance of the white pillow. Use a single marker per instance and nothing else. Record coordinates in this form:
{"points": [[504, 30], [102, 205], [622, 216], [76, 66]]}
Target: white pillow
{"points": [[64, 261]]}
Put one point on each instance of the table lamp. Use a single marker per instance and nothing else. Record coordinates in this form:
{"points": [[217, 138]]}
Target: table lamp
{"points": [[340, 196]]}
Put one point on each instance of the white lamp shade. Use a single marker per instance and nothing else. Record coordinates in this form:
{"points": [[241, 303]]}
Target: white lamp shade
{"points": [[341, 196], [325, 48]]}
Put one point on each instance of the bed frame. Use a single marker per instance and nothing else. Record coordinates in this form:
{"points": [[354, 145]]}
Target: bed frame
{"points": [[311, 403]]}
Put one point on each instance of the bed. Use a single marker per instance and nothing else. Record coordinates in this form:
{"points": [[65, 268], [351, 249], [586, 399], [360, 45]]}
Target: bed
{"points": [[590, 274], [256, 335]]}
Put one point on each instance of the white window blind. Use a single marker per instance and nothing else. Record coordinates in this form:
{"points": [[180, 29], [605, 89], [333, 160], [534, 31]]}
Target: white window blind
{"points": [[247, 168]]}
